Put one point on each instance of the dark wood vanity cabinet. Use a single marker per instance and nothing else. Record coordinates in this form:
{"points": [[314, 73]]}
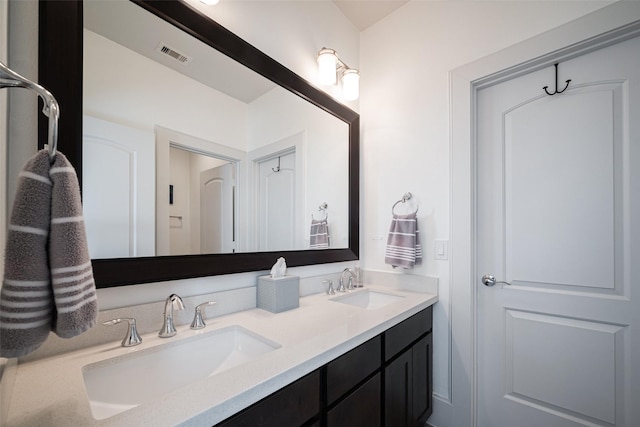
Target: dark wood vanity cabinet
{"points": [[354, 384], [408, 386], [294, 405], [408, 371], [385, 382], [360, 407]]}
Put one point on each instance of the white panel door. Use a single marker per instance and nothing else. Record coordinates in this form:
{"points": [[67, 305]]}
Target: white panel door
{"points": [[217, 205], [558, 210], [119, 209], [277, 201]]}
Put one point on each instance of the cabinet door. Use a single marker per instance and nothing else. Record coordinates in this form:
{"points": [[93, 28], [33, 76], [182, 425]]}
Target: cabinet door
{"points": [[292, 406], [360, 409], [348, 370], [398, 391], [403, 334], [422, 353]]}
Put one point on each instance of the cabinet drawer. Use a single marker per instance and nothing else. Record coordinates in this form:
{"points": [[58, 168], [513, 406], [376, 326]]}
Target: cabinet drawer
{"points": [[360, 409], [348, 370], [406, 332], [292, 406]]}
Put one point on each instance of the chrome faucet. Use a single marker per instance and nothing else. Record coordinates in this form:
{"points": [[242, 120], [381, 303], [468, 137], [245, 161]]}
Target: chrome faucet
{"points": [[168, 329], [131, 338], [198, 320], [352, 276], [330, 290]]}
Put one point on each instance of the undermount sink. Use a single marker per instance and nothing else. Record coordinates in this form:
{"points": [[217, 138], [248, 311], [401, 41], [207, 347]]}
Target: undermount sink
{"points": [[124, 382], [368, 299]]}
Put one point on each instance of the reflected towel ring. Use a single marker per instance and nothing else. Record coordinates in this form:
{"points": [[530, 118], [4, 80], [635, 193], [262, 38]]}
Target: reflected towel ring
{"points": [[322, 208], [407, 196]]}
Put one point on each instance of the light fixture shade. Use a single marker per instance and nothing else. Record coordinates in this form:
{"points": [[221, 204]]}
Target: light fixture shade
{"points": [[350, 85], [327, 63]]}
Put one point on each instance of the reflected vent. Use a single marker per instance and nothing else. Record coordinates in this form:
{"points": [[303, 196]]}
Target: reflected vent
{"points": [[174, 54]]}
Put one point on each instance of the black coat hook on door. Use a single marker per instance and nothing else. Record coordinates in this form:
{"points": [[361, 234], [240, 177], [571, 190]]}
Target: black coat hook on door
{"points": [[277, 169], [556, 91]]}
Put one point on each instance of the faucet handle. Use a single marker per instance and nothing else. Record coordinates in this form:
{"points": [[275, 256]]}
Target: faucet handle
{"points": [[198, 321], [341, 287], [350, 285], [132, 338], [330, 290]]}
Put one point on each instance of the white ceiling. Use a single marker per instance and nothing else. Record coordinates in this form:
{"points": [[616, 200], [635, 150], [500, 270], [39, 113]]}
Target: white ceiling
{"points": [[364, 13]]}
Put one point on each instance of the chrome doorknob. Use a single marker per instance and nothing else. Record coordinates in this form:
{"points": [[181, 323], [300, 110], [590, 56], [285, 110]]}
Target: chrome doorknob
{"points": [[489, 280]]}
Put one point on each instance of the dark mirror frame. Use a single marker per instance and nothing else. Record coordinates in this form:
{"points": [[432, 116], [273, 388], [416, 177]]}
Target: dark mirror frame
{"points": [[60, 71]]}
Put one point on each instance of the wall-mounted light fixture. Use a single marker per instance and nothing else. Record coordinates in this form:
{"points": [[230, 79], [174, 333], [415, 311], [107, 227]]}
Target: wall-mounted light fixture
{"points": [[330, 66]]}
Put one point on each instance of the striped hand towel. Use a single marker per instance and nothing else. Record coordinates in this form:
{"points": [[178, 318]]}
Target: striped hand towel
{"points": [[48, 281], [319, 234], [403, 242]]}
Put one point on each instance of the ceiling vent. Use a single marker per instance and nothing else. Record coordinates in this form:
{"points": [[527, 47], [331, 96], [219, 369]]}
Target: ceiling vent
{"points": [[174, 54]]}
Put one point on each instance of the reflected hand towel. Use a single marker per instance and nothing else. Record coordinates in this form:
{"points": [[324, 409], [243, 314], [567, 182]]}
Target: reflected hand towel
{"points": [[319, 234]]}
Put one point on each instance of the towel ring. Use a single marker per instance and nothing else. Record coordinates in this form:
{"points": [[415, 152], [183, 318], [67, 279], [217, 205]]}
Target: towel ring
{"points": [[407, 196], [9, 78], [322, 208]]}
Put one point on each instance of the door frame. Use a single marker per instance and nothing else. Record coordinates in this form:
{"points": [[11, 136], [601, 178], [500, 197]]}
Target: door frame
{"points": [[606, 26]]}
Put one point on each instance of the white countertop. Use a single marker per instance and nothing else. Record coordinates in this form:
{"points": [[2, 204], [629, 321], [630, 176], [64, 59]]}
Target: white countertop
{"points": [[51, 391]]}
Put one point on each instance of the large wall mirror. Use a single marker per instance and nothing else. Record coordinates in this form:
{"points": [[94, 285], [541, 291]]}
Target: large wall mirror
{"points": [[198, 154]]}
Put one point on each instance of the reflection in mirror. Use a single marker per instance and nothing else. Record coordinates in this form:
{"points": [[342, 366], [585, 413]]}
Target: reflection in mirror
{"points": [[201, 205], [156, 101], [61, 70]]}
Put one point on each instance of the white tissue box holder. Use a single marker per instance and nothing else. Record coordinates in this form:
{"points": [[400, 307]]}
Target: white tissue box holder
{"points": [[280, 294]]}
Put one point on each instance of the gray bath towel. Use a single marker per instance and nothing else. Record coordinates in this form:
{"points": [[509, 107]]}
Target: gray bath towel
{"points": [[403, 243], [48, 280], [319, 234]]}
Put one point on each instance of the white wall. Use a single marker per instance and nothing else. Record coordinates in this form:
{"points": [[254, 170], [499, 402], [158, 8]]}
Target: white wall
{"points": [[23, 108], [18, 140], [180, 230], [5, 386], [404, 61], [4, 33]]}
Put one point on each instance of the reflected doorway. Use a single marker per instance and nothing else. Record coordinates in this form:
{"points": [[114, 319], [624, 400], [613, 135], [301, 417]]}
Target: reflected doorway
{"points": [[277, 202], [218, 209], [202, 206]]}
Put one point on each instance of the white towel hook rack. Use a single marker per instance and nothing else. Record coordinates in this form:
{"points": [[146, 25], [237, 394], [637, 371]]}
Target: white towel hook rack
{"points": [[9, 78], [407, 196]]}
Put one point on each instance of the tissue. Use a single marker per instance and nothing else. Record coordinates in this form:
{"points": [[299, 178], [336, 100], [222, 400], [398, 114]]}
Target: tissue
{"points": [[279, 268], [278, 292]]}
